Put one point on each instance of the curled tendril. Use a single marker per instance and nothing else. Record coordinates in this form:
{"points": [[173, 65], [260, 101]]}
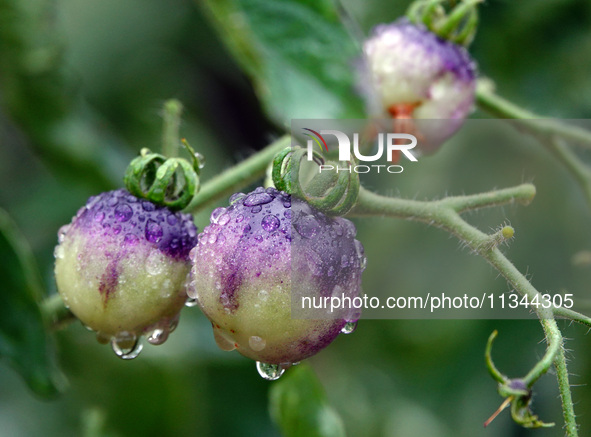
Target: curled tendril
{"points": [[171, 182], [458, 26], [517, 392], [332, 192]]}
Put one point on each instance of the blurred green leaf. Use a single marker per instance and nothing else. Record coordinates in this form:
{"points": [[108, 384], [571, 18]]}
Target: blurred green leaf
{"points": [[40, 96], [23, 338], [297, 52], [299, 406]]}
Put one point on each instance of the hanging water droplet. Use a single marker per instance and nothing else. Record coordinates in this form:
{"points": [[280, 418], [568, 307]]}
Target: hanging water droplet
{"points": [[173, 324], [101, 337], [349, 328], [270, 372], [126, 346], [191, 302], [158, 336], [256, 343]]}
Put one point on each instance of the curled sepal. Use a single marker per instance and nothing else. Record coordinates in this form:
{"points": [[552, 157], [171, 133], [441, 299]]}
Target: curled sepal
{"points": [[333, 190], [171, 182], [516, 392], [458, 26]]}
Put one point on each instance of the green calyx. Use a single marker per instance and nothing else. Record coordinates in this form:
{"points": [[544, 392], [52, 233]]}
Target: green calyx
{"points": [[329, 191], [459, 25], [171, 182], [517, 393]]}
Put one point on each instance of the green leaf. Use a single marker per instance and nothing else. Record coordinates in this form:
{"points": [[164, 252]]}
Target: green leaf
{"points": [[299, 406], [298, 53], [24, 341]]}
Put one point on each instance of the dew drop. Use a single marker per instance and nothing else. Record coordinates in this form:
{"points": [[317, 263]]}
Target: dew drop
{"points": [[123, 212], [111, 202], [215, 214], [191, 302], [307, 226], [256, 209], [154, 231], [126, 346], [287, 204], [270, 223], [158, 336], [173, 324], [172, 220], [270, 372], [349, 328], [224, 219], [256, 199], [236, 197], [101, 337], [363, 263], [287, 213], [239, 218], [201, 160], [99, 216], [256, 343], [148, 206]]}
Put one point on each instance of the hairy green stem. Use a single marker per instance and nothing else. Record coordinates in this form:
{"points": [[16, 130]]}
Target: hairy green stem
{"points": [[495, 105], [568, 411], [573, 315], [171, 124], [55, 312], [445, 213], [550, 133], [242, 174]]}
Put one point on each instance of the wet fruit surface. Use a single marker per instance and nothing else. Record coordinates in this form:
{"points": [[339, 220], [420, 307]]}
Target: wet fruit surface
{"points": [[121, 267], [259, 256]]}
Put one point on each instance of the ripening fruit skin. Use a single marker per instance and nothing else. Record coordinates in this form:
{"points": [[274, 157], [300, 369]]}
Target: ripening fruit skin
{"points": [[255, 256], [121, 265], [411, 72]]}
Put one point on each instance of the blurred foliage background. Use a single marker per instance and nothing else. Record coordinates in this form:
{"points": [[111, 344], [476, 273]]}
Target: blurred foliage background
{"points": [[81, 87]]}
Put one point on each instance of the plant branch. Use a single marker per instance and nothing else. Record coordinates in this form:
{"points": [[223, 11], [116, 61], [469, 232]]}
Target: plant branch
{"points": [[171, 124], [551, 133], [445, 214], [55, 312], [497, 106], [238, 176]]}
